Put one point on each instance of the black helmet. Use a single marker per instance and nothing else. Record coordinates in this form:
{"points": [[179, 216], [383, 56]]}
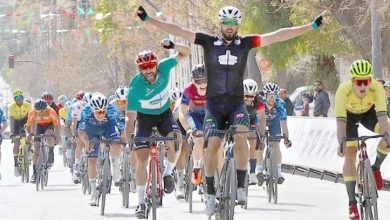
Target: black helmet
{"points": [[199, 72], [40, 105]]}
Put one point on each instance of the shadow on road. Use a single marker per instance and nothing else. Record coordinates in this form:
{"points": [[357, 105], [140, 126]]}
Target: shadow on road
{"points": [[296, 204], [271, 210]]}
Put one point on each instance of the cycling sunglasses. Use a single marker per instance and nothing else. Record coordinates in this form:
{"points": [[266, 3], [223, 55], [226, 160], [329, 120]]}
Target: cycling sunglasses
{"points": [[249, 96], [18, 98], [200, 81], [272, 96], [100, 112], [146, 66], [229, 22], [360, 82]]}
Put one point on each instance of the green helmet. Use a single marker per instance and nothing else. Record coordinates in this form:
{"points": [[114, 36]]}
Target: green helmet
{"points": [[17, 92], [361, 69]]}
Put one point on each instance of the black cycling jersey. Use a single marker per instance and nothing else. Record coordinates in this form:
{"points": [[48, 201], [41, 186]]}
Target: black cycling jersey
{"points": [[225, 64]]}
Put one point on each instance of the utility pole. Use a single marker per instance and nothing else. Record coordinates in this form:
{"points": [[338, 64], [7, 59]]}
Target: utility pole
{"points": [[376, 39]]}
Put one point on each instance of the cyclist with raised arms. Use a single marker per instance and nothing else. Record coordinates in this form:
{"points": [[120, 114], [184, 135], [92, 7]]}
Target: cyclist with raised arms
{"points": [[360, 100], [148, 102], [225, 59]]}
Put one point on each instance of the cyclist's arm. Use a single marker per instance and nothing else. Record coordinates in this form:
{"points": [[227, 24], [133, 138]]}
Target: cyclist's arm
{"points": [[341, 113], [12, 124], [183, 116], [4, 126], [173, 29], [73, 128], [83, 137], [131, 115], [263, 120], [182, 51], [30, 122], [284, 34]]}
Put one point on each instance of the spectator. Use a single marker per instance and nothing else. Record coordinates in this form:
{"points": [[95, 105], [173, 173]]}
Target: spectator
{"points": [[288, 103], [387, 90], [306, 100], [381, 81], [321, 100]]}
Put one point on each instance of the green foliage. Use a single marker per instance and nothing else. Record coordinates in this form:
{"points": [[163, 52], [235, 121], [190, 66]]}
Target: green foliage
{"points": [[263, 17]]}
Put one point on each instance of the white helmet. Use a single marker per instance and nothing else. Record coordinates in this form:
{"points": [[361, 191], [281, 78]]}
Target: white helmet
{"points": [[271, 88], [175, 94], [250, 86], [121, 92], [229, 12], [62, 99], [87, 97], [99, 101]]}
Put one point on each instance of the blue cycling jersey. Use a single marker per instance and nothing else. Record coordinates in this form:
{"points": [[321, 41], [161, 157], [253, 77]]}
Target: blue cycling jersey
{"points": [[2, 117], [88, 118], [278, 110]]}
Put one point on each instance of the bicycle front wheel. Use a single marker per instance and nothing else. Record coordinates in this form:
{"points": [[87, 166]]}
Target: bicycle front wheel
{"points": [[189, 185], [153, 169], [370, 193], [126, 180], [106, 173]]}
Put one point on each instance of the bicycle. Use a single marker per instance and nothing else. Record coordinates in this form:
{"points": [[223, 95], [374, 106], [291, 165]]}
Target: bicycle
{"points": [[367, 194], [270, 168], [42, 171], [226, 191], [104, 178], [85, 186], [23, 157], [154, 189], [124, 186], [188, 184], [69, 155]]}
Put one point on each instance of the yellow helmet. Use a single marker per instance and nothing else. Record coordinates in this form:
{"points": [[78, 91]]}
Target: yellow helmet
{"points": [[361, 69], [17, 92]]}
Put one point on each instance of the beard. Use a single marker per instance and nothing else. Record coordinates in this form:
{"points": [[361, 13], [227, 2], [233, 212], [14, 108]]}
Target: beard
{"points": [[229, 36]]}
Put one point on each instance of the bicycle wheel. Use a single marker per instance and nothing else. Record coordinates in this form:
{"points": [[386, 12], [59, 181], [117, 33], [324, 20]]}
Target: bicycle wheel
{"points": [[154, 188], [126, 180], [189, 185], [274, 178], [106, 172], [46, 176], [232, 185], [268, 173], [37, 177], [26, 164], [245, 206], [370, 193]]}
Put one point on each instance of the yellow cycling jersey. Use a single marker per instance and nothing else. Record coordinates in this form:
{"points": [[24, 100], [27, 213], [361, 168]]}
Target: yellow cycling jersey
{"points": [[19, 112], [63, 112], [347, 101]]}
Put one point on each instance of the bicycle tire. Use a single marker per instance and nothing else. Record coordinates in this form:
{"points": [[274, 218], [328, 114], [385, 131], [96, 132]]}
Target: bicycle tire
{"points": [[274, 178], [106, 167], [189, 185], [26, 164], [233, 188], [267, 166], [46, 176], [370, 193], [245, 206], [154, 188], [126, 178]]}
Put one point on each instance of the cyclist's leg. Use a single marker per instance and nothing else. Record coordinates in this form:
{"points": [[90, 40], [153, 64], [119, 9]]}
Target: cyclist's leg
{"points": [[111, 132], [370, 121], [197, 151], [49, 130], [167, 127], [349, 168], [143, 128], [181, 163], [253, 153], [78, 153], [92, 163], [275, 130], [38, 131], [240, 118], [17, 131]]}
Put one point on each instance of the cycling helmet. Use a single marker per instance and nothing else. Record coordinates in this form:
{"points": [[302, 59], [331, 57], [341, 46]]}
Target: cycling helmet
{"points": [[271, 88], [87, 97], [199, 72], [229, 12], [361, 69], [99, 101], [175, 94], [17, 92], [47, 96], [121, 93], [146, 56], [40, 105], [250, 86], [80, 95], [62, 99]]}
